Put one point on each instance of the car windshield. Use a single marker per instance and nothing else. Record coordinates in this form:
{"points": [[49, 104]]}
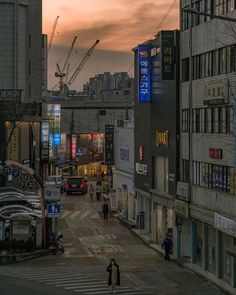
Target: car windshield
{"points": [[74, 180]]}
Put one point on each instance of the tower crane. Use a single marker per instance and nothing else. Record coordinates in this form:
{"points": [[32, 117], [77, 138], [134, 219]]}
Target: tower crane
{"points": [[60, 73], [52, 33], [82, 63]]}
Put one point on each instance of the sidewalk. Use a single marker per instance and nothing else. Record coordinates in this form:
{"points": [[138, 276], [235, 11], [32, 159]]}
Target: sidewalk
{"points": [[182, 261], [20, 257]]}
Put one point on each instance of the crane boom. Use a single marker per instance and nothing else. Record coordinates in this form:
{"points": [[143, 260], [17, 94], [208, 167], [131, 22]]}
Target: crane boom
{"points": [[82, 63], [69, 54], [52, 33]]}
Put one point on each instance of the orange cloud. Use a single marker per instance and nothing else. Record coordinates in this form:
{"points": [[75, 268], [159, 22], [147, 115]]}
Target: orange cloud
{"points": [[120, 25]]}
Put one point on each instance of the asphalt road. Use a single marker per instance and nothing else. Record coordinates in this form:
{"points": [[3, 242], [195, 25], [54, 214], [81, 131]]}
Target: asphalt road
{"points": [[90, 242]]}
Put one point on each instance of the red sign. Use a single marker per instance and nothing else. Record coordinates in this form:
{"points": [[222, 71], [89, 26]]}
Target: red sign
{"points": [[141, 153], [73, 145], [215, 153]]}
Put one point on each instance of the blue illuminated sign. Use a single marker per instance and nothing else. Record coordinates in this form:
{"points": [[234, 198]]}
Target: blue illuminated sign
{"points": [[144, 73], [56, 139]]}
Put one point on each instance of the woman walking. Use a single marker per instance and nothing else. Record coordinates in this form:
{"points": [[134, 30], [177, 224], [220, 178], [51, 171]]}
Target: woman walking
{"points": [[114, 275]]}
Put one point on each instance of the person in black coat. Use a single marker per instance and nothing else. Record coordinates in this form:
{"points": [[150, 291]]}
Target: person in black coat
{"points": [[167, 245], [114, 275], [105, 210]]}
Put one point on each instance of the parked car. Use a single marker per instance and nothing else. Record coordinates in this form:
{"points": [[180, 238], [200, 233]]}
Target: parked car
{"points": [[75, 184], [55, 180]]}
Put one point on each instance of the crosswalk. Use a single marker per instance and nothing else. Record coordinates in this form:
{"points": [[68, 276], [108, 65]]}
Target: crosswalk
{"points": [[67, 279], [92, 214]]}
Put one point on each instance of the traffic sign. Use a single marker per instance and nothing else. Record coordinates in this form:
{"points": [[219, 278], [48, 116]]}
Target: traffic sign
{"points": [[52, 193], [54, 210]]}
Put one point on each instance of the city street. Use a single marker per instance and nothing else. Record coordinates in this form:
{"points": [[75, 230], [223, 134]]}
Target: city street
{"points": [[90, 242]]}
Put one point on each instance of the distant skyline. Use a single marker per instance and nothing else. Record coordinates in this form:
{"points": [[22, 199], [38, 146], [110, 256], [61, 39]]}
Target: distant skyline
{"points": [[119, 25]]}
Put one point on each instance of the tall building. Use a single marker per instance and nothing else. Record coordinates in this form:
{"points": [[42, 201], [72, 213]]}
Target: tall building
{"points": [[109, 87], [20, 80], [206, 211], [156, 134], [20, 47]]}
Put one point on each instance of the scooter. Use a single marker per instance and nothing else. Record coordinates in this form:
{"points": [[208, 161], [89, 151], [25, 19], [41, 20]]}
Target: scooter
{"points": [[55, 243]]}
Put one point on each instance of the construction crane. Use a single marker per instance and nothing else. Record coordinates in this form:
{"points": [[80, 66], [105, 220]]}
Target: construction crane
{"points": [[82, 63], [52, 33], [60, 73]]}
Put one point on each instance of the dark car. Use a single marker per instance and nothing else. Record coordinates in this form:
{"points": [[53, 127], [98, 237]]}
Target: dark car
{"points": [[75, 184]]}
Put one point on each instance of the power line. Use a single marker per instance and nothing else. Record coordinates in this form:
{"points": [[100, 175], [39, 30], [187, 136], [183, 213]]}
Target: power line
{"points": [[161, 22]]}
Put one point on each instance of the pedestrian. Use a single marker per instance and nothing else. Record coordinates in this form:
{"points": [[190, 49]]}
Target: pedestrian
{"points": [[114, 275], [98, 192], [167, 245], [105, 210], [91, 192]]}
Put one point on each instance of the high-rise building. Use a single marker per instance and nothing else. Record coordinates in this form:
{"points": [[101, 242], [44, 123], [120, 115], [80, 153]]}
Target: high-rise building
{"points": [[20, 81], [206, 205], [20, 47]]}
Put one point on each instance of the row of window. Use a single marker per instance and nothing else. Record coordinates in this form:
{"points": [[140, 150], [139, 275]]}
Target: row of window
{"points": [[218, 120], [217, 177], [215, 7], [209, 64]]}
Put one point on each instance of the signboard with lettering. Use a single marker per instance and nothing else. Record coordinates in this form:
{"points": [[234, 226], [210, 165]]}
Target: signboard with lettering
{"points": [[162, 138], [74, 142], [54, 114], [167, 49], [225, 224], [141, 169], [9, 95], [215, 153], [124, 155], [144, 73], [44, 140], [216, 92], [109, 145], [52, 193], [141, 156]]}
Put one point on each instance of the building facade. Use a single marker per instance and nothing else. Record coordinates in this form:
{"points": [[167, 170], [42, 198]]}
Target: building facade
{"points": [[20, 80], [124, 163], [206, 200], [156, 134]]}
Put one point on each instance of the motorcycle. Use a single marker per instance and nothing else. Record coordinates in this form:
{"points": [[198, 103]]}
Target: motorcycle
{"points": [[55, 243]]}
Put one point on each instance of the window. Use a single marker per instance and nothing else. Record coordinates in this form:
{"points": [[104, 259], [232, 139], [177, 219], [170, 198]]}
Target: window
{"points": [[185, 170], [217, 177], [185, 70], [185, 120], [185, 20]]}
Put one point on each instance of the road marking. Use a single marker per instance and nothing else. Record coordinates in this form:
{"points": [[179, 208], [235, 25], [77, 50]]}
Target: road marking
{"points": [[85, 214], [74, 214], [65, 213], [86, 286]]}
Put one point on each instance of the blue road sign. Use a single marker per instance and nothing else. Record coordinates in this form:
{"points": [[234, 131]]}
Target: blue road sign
{"points": [[54, 210]]}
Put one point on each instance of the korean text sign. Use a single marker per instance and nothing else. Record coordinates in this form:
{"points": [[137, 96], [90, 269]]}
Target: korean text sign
{"points": [[144, 73]]}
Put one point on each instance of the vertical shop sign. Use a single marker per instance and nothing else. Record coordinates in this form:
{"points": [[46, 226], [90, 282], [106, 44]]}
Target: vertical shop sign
{"points": [[44, 140], [74, 144], [167, 55], [54, 115], [109, 145], [13, 147], [144, 73]]}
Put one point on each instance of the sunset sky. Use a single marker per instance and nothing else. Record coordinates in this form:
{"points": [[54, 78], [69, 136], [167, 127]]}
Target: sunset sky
{"points": [[120, 25]]}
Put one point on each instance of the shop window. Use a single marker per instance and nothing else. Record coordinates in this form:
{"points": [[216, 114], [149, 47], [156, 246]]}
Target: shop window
{"points": [[226, 259], [211, 249], [199, 245], [185, 20]]}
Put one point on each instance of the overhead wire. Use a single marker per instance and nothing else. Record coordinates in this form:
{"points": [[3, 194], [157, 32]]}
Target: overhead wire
{"points": [[158, 27]]}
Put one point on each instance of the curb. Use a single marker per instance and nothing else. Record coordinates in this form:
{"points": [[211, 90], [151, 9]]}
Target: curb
{"points": [[13, 259]]}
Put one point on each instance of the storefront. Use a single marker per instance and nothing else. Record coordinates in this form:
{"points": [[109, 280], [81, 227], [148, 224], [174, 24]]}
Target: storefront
{"points": [[144, 212]]}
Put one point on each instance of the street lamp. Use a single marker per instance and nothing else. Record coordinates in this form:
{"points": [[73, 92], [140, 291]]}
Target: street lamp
{"points": [[194, 11]]}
